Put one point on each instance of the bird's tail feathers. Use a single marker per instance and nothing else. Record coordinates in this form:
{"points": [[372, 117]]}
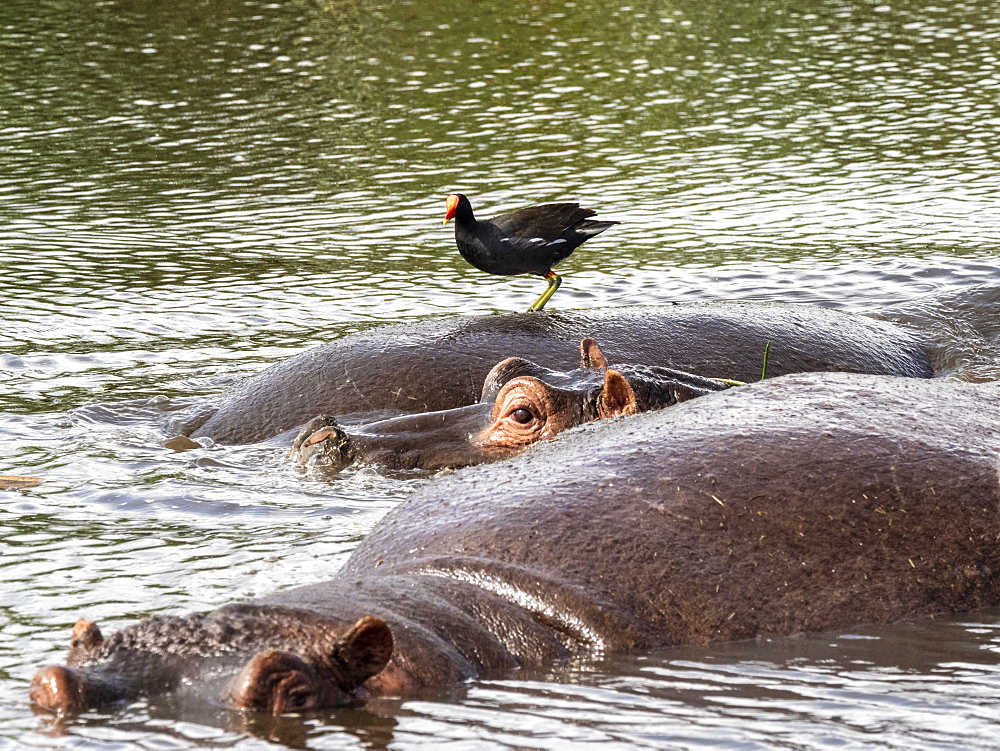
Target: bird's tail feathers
{"points": [[590, 227]]}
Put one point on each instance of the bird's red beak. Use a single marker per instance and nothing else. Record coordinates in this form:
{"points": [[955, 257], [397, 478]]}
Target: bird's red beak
{"points": [[451, 206]]}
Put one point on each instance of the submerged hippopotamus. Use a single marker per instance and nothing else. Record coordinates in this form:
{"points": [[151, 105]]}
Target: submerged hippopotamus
{"points": [[801, 503], [433, 365], [522, 403]]}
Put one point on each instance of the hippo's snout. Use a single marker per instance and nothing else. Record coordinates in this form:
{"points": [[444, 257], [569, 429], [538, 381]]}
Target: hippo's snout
{"points": [[58, 690], [67, 691], [322, 443]]}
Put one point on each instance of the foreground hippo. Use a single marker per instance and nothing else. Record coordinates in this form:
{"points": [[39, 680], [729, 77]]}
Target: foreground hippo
{"points": [[802, 503], [522, 403], [433, 365]]}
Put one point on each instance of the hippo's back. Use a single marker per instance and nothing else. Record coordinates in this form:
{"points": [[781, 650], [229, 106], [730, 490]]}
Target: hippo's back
{"points": [[441, 364], [804, 503]]}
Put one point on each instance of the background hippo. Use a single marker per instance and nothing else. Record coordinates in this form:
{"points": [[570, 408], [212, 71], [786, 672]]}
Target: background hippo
{"points": [[439, 364], [521, 404], [802, 503]]}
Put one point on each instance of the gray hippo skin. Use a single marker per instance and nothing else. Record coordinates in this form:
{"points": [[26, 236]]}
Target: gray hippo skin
{"points": [[433, 365], [522, 403], [802, 503]]}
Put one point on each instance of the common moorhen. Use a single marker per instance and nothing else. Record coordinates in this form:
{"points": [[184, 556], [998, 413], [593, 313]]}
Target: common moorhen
{"points": [[527, 241]]}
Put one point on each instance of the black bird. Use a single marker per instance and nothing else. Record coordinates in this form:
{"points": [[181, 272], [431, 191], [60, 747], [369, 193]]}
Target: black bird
{"points": [[527, 241]]}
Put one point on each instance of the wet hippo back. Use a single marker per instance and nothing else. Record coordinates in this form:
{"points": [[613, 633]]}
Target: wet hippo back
{"points": [[805, 503], [440, 364]]}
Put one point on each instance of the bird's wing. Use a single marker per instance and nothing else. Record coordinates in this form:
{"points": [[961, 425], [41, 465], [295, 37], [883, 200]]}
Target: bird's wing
{"points": [[547, 221], [536, 254]]}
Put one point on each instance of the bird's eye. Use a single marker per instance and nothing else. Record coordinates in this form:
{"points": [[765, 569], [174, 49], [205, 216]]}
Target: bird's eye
{"points": [[522, 416]]}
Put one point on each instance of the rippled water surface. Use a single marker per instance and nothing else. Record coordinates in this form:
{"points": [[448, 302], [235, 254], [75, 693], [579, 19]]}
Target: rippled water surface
{"points": [[191, 191]]}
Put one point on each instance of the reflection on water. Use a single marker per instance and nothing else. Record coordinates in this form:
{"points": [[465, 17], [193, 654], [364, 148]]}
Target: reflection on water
{"points": [[194, 190], [857, 688]]}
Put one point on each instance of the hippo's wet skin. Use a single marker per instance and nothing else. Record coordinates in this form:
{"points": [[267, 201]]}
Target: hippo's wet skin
{"points": [[803, 503], [434, 365], [522, 403]]}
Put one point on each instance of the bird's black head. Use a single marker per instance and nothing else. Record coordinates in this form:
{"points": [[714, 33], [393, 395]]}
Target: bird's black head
{"points": [[457, 205]]}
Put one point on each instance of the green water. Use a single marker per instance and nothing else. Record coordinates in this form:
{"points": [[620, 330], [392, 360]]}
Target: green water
{"points": [[192, 191]]}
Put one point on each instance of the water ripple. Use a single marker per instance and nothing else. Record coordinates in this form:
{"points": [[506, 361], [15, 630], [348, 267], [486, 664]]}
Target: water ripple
{"points": [[192, 192]]}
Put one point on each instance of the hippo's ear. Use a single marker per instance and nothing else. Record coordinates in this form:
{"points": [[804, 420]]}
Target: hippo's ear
{"points": [[616, 397], [85, 639], [591, 357], [363, 651]]}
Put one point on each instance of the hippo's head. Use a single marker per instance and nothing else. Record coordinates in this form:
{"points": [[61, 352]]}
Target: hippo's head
{"points": [[522, 403], [269, 659], [527, 410]]}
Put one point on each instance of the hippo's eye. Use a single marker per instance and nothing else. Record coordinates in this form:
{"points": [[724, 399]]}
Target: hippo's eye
{"points": [[300, 699], [522, 416]]}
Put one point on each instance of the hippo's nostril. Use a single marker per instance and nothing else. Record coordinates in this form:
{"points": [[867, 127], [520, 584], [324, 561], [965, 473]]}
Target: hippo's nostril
{"points": [[312, 427], [56, 689], [334, 433], [322, 443]]}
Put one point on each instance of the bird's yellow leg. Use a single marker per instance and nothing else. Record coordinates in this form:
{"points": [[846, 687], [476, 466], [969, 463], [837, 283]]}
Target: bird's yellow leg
{"points": [[554, 281]]}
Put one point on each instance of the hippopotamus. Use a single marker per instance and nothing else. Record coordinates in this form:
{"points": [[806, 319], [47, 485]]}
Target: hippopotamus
{"points": [[432, 365], [803, 503], [522, 403]]}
